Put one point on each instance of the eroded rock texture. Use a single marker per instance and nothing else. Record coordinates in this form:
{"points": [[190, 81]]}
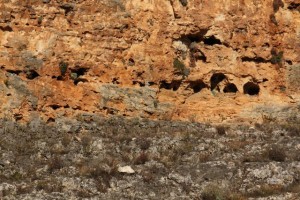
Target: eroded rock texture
{"points": [[217, 61]]}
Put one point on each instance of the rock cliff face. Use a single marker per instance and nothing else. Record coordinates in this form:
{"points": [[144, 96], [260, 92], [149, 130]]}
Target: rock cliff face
{"points": [[199, 60]]}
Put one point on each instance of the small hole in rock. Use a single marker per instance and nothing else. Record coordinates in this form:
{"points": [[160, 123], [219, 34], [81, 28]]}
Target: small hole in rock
{"points": [[251, 88], [79, 71], [216, 79], [174, 85], [131, 62], [32, 74], [115, 81], [197, 86], [50, 120], [212, 40], [78, 80], [230, 88], [141, 84], [54, 107]]}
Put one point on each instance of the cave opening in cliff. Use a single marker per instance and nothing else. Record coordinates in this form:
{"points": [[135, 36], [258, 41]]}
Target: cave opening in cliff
{"points": [[197, 86], [294, 6], [251, 88], [80, 71], [216, 79], [230, 88], [31, 74], [193, 37], [174, 85], [212, 40]]}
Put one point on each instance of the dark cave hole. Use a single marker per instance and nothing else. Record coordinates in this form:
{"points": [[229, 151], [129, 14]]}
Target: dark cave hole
{"points": [[254, 59], [230, 88], [183, 2], [174, 85], [31, 74], [54, 106], [59, 78], [115, 81], [193, 37], [277, 4], [78, 80], [6, 28], [141, 84], [294, 6], [289, 62], [251, 88], [16, 72], [216, 79], [79, 71], [151, 83], [131, 62], [265, 79], [197, 86], [212, 40], [67, 7], [50, 120]]}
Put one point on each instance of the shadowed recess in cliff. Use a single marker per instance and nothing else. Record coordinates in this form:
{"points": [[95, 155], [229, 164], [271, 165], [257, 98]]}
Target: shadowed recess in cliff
{"points": [[230, 88], [251, 88], [6, 28], [216, 79], [76, 74], [32, 74], [211, 40], [294, 6], [174, 85], [197, 86], [254, 59], [193, 37]]}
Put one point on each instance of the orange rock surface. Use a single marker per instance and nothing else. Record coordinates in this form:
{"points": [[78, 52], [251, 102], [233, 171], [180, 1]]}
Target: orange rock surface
{"points": [[198, 60]]}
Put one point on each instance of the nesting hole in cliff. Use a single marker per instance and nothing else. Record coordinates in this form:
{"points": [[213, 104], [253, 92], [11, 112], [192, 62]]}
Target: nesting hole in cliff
{"points": [[141, 84], [230, 88], [115, 81], [254, 59], [184, 2], [76, 73], [79, 71], [78, 80], [212, 40], [54, 106], [6, 28], [174, 85], [31, 74], [131, 62], [193, 37], [277, 4], [50, 120], [251, 88], [67, 7], [16, 72], [294, 6], [216, 79], [197, 86]]}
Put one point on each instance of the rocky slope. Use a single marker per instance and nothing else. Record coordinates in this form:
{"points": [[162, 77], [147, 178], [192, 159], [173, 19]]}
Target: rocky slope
{"points": [[197, 60], [85, 159]]}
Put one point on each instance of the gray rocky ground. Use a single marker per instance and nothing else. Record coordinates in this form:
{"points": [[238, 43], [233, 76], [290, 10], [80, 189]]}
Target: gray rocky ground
{"points": [[81, 159]]}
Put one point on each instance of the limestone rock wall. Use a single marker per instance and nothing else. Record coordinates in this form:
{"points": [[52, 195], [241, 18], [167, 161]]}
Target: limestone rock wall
{"points": [[214, 61]]}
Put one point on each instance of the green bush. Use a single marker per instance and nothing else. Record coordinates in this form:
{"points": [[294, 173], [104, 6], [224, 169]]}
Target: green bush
{"points": [[181, 68], [63, 66], [277, 58]]}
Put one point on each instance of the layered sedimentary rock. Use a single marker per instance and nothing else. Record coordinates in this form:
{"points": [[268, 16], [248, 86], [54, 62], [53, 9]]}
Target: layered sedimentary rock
{"points": [[214, 61]]}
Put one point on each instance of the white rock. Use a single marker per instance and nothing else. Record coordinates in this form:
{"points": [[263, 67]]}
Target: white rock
{"points": [[126, 169]]}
